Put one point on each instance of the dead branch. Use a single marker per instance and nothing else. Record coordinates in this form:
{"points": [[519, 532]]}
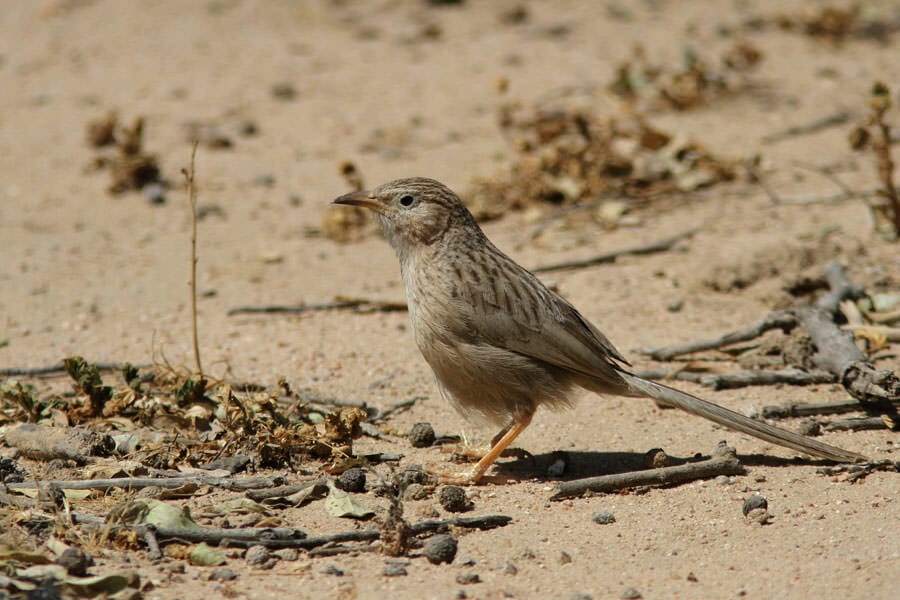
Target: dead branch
{"points": [[654, 247], [282, 490], [399, 406], [285, 537], [677, 373], [891, 334], [800, 409], [838, 118], [48, 443], [192, 202], [358, 305], [790, 376], [837, 354], [862, 423], [780, 319], [136, 483], [724, 461], [60, 369]]}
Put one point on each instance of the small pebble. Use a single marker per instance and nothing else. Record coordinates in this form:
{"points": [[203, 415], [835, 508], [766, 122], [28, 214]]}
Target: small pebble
{"points": [[415, 491], [755, 501], [257, 555], [76, 561], [440, 548], [154, 192], [581, 596], [352, 480], [222, 574], [333, 570], [559, 464], [287, 554], [453, 498], [284, 91], [809, 427], [724, 480], [564, 558], [421, 435], [467, 578], [510, 569], [630, 593], [656, 458], [604, 517], [394, 569], [414, 474]]}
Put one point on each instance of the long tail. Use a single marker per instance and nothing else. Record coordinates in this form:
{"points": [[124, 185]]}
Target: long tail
{"points": [[737, 421]]}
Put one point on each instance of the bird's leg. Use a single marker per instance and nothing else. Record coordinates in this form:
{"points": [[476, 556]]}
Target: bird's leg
{"points": [[506, 437]]}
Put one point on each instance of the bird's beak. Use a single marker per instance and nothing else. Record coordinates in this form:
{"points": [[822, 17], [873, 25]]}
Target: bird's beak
{"points": [[361, 198]]}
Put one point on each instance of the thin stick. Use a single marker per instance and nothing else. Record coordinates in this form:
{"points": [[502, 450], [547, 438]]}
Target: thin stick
{"points": [[790, 376], [402, 405], [891, 334], [723, 462], [801, 409], [135, 483], [192, 198], [838, 118], [59, 369], [861, 424], [152, 542], [284, 537], [780, 319], [359, 305], [881, 102], [659, 246]]}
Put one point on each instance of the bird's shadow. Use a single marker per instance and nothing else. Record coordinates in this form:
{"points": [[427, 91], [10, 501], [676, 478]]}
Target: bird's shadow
{"points": [[564, 466]]}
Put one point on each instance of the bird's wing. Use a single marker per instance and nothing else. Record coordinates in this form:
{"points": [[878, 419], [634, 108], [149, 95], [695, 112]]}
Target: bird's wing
{"points": [[517, 312]]}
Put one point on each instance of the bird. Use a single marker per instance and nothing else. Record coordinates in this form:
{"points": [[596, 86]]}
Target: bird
{"points": [[500, 343]]}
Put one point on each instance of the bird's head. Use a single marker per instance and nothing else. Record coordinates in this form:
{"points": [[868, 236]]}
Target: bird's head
{"points": [[412, 212]]}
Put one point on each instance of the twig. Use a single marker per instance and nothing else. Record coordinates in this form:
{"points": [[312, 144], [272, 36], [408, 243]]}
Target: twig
{"points": [[152, 542], [802, 409], [282, 490], [840, 289], [883, 317], [862, 423], [135, 483], [881, 102], [402, 405], [659, 246], [724, 461], [192, 199], [780, 319], [790, 376], [359, 305], [60, 369], [283, 537], [891, 334], [677, 373], [313, 398], [838, 118]]}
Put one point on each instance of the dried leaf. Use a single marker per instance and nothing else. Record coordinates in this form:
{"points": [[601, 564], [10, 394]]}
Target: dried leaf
{"points": [[341, 504], [206, 556]]}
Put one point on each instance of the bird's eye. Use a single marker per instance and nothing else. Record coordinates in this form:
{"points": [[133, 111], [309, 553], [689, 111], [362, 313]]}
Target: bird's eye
{"points": [[407, 201]]}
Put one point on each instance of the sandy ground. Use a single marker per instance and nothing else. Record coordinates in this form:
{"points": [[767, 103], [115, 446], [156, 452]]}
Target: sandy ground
{"points": [[105, 277]]}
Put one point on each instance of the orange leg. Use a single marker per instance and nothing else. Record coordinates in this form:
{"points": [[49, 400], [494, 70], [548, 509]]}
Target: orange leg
{"points": [[508, 435]]}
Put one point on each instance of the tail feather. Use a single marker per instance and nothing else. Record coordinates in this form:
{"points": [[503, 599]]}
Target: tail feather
{"points": [[737, 421]]}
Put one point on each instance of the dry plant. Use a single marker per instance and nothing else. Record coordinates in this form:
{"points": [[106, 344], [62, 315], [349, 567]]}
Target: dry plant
{"points": [[875, 133], [192, 199]]}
